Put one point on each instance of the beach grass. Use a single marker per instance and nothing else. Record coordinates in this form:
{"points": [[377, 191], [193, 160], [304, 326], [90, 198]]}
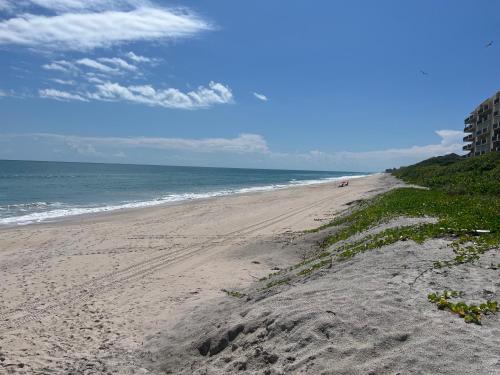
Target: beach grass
{"points": [[470, 216]]}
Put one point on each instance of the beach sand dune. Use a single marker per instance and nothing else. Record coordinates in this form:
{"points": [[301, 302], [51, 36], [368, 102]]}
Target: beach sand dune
{"points": [[366, 315], [87, 295]]}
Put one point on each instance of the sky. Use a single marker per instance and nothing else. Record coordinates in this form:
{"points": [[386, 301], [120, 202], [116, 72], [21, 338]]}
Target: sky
{"points": [[324, 85]]}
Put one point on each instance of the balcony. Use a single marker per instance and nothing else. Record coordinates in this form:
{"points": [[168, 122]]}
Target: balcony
{"points": [[468, 138], [469, 120], [469, 129], [467, 147], [484, 112], [482, 134]]}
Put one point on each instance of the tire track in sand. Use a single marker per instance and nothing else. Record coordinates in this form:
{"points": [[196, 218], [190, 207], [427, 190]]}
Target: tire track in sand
{"points": [[28, 312]]}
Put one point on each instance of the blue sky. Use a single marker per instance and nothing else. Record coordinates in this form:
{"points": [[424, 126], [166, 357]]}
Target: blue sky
{"points": [[330, 85]]}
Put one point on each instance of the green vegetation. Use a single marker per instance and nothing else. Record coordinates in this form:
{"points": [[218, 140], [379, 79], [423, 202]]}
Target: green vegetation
{"points": [[456, 175], [271, 275], [315, 266], [463, 195], [234, 293], [467, 254], [470, 313], [460, 211], [277, 282], [459, 216]]}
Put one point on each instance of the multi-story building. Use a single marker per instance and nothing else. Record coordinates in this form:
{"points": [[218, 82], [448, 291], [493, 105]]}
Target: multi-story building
{"points": [[483, 127]]}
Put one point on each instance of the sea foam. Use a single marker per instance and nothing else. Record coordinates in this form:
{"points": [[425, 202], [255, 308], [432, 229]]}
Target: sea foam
{"points": [[61, 212]]}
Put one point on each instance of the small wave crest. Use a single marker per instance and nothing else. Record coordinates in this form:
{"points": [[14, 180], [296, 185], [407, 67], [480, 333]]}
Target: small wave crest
{"points": [[31, 205]]}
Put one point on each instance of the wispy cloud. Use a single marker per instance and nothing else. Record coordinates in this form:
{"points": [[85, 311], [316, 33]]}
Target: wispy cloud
{"points": [[62, 6], [260, 96], [119, 63], [84, 25], [103, 65], [60, 95], [202, 97], [451, 142], [244, 143], [93, 64], [63, 82], [62, 66], [139, 59], [103, 28], [251, 150]]}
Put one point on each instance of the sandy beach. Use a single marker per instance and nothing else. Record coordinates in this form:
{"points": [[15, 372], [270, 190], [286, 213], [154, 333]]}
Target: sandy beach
{"points": [[249, 187], [94, 290]]}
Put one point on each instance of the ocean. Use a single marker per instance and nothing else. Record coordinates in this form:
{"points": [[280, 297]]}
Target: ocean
{"points": [[33, 191]]}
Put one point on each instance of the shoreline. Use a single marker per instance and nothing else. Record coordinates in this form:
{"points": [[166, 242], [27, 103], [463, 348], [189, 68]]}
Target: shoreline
{"points": [[99, 288], [159, 203]]}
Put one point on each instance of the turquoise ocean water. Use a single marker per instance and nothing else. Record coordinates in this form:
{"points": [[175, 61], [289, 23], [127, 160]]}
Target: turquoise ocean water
{"points": [[33, 192]]}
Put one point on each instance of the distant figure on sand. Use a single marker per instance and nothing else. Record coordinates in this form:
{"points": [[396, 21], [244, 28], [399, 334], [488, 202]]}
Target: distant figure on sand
{"points": [[344, 183]]}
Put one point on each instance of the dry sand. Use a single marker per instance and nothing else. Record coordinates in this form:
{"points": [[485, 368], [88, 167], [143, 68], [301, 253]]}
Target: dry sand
{"points": [[96, 294], [366, 315]]}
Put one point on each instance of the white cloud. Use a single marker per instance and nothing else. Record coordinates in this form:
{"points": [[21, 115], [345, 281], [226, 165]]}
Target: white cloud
{"points": [[102, 66], [203, 97], [75, 6], [451, 142], [60, 95], [92, 78], [260, 97], [82, 148], [120, 63], [2, 93], [5, 5], [64, 82], [62, 66], [93, 64], [87, 5], [139, 59], [250, 150], [84, 31], [244, 143], [450, 137]]}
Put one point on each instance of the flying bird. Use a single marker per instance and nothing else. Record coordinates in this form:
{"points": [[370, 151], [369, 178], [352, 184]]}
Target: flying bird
{"points": [[489, 44], [424, 73]]}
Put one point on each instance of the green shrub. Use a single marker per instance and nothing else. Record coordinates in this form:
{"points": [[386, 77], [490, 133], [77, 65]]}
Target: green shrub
{"points": [[456, 175], [470, 313]]}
